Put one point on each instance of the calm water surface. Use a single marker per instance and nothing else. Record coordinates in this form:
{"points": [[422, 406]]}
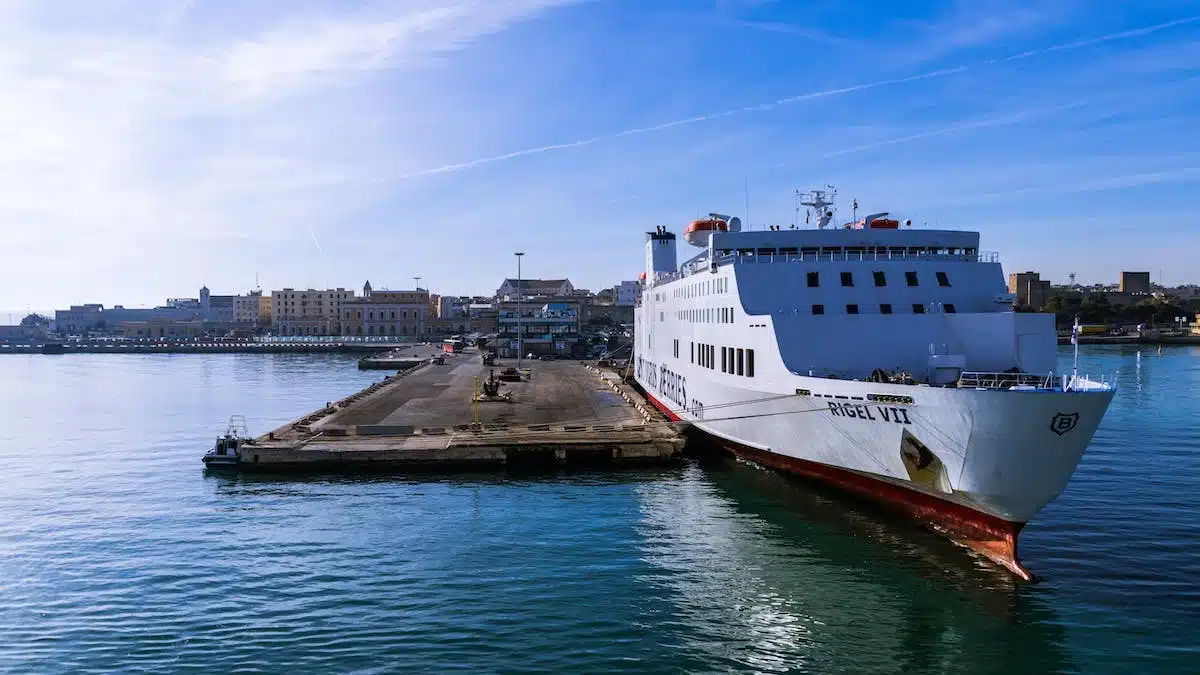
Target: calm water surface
{"points": [[118, 553]]}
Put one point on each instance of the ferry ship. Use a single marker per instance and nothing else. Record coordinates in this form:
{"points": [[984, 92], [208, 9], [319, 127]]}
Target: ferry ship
{"points": [[881, 358]]}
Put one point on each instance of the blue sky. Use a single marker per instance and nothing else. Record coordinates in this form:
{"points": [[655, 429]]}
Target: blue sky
{"points": [[154, 147]]}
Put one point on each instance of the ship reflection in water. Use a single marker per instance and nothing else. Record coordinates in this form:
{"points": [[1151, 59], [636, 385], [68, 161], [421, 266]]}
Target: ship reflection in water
{"points": [[764, 573]]}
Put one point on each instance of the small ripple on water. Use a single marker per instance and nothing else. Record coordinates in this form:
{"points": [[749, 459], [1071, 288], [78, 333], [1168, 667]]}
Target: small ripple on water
{"points": [[158, 567]]}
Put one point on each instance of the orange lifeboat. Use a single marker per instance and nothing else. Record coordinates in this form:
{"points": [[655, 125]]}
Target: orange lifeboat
{"points": [[642, 276], [700, 231]]}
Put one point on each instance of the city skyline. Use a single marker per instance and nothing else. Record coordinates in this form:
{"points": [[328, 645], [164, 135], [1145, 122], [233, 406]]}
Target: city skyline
{"points": [[211, 144]]}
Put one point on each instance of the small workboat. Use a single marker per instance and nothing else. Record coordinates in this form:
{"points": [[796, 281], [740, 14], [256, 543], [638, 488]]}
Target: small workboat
{"points": [[227, 450]]}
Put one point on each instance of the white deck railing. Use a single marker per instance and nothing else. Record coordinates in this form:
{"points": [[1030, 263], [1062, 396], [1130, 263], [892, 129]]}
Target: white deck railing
{"points": [[969, 380]]}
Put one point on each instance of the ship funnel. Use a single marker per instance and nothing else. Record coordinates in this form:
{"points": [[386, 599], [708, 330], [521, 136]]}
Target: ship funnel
{"points": [[660, 253]]}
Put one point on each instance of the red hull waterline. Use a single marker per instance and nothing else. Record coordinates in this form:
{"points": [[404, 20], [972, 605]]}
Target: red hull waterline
{"points": [[991, 537]]}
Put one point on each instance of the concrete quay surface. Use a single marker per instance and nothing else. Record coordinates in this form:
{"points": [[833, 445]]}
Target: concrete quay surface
{"points": [[561, 413]]}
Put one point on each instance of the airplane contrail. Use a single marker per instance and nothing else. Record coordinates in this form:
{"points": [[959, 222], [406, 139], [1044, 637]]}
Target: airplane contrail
{"points": [[762, 107]]}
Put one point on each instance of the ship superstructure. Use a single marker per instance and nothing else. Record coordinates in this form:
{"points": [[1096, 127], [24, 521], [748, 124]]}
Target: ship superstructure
{"points": [[881, 358]]}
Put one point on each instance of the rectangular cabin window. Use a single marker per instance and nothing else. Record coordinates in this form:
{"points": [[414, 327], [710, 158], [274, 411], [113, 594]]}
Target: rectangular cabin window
{"points": [[814, 279], [885, 308], [741, 361], [693, 350], [818, 309], [943, 280], [789, 251], [749, 363], [918, 308], [766, 251], [847, 278], [949, 307], [880, 279], [910, 278], [852, 309], [724, 359]]}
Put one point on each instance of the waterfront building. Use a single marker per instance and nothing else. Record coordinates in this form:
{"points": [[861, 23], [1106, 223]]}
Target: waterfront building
{"points": [[626, 293], [79, 319], [163, 328], [386, 313], [452, 306], [535, 288], [551, 328], [1135, 282], [1029, 288], [252, 310], [309, 311], [216, 311]]}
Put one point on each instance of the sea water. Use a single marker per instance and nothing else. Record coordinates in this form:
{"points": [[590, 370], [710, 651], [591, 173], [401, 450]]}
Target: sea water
{"points": [[119, 553]]}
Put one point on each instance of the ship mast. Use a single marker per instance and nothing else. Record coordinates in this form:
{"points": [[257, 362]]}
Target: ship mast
{"points": [[819, 203]]}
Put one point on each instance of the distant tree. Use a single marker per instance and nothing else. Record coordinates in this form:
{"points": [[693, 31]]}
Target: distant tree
{"points": [[35, 321]]}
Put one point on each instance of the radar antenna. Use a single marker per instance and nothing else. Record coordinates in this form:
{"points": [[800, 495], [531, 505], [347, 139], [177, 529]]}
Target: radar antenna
{"points": [[820, 205]]}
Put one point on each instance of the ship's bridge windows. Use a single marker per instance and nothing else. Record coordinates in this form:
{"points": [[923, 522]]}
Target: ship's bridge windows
{"points": [[818, 309], [814, 279], [847, 278], [789, 250], [943, 280], [885, 308], [766, 251], [949, 308], [918, 308], [852, 309], [809, 251], [880, 279], [745, 251], [910, 278]]}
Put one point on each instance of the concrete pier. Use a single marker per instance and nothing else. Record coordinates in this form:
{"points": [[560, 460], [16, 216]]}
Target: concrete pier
{"points": [[558, 413], [401, 358]]}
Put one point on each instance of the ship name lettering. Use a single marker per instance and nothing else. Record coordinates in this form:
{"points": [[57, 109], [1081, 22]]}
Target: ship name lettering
{"points": [[863, 412]]}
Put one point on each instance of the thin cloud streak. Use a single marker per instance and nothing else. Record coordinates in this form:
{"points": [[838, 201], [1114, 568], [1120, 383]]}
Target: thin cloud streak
{"points": [[763, 107], [983, 123]]}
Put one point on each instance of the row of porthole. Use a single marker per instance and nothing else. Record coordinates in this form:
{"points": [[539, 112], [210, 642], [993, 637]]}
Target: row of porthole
{"points": [[886, 308]]}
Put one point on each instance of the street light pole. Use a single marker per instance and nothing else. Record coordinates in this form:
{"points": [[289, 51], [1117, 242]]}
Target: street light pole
{"points": [[520, 347]]}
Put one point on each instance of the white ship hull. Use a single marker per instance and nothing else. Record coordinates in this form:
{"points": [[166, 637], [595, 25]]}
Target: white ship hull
{"points": [[999, 456], [734, 344]]}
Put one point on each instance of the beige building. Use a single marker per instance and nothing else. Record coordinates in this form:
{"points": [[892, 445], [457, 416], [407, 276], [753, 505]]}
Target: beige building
{"points": [[308, 312], [1031, 290], [1135, 282], [387, 313], [252, 309], [162, 328]]}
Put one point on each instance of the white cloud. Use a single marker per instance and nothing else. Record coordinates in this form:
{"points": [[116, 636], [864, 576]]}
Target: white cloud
{"points": [[123, 130]]}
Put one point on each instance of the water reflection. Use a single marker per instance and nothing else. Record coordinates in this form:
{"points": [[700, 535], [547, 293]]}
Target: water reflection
{"points": [[766, 573]]}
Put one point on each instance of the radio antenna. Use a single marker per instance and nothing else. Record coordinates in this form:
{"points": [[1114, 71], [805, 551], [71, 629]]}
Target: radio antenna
{"points": [[746, 186]]}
